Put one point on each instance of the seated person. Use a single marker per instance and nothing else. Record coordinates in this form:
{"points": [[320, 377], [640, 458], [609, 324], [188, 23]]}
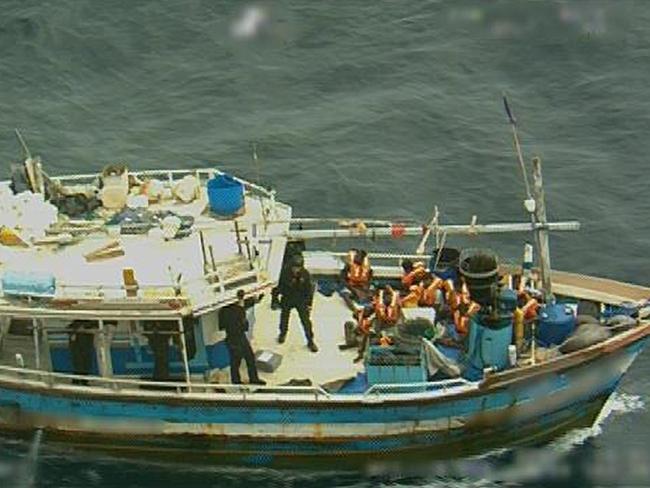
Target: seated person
{"points": [[413, 297], [356, 275], [388, 310], [413, 273], [436, 291]]}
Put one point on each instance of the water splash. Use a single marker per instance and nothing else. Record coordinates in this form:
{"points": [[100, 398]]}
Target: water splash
{"points": [[616, 404], [27, 471]]}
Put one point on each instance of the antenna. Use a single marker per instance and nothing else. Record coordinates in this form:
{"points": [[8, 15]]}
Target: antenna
{"points": [[28, 154]]}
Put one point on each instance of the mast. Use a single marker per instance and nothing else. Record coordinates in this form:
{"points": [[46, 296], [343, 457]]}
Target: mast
{"points": [[541, 230]]}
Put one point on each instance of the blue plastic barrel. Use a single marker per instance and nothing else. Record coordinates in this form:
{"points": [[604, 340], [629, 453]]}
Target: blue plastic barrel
{"points": [[226, 195], [556, 323]]}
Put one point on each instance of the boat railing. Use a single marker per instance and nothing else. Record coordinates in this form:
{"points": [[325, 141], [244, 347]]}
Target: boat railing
{"points": [[184, 388], [170, 175], [180, 388], [382, 388]]}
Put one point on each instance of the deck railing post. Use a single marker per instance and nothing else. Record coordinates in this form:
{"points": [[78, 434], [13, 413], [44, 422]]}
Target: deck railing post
{"points": [[186, 366], [104, 357], [37, 344]]}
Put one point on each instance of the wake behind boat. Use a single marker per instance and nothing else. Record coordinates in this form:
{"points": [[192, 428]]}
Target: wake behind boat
{"points": [[113, 283]]}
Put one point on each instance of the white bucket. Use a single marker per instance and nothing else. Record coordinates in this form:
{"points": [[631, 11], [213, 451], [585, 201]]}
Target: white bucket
{"points": [[115, 190]]}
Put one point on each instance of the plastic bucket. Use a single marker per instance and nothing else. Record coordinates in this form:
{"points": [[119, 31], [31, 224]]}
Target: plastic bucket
{"points": [[480, 268], [226, 195]]}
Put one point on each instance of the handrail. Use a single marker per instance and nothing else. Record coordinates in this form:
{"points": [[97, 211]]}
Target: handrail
{"points": [[318, 391], [179, 386], [169, 173], [442, 384]]}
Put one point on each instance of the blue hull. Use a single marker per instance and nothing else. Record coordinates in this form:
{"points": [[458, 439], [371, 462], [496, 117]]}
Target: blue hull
{"points": [[266, 431]]}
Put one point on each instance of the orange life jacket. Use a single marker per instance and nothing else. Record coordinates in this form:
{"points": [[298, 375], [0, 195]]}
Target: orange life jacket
{"points": [[358, 274], [461, 320], [390, 313], [385, 341], [459, 297], [430, 293], [417, 274], [530, 309], [414, 296]]}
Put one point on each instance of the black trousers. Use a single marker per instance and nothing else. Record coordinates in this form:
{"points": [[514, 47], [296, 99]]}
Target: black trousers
{"points": [[239, 350], [303, 313]]}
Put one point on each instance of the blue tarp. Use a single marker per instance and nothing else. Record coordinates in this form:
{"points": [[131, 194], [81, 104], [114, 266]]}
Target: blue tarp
{"points": [[28, 284]]}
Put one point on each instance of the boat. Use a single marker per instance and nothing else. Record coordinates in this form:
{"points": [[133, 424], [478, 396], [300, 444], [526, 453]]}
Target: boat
{"points": [[128, 258]]}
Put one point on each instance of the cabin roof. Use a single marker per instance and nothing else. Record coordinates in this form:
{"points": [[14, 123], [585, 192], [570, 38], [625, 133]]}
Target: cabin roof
{"points": [[246, 250]]}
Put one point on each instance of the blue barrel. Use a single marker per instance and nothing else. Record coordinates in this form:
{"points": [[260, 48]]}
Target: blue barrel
{"points": [[447, 266], [556, 323], [488, 342], [226, 195]]}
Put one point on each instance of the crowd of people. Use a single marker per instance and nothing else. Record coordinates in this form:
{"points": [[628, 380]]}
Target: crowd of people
{"points": [[379, 308]]}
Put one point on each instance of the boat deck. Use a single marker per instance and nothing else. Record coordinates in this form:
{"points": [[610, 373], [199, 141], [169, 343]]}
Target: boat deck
{"points": [[329, 364]]}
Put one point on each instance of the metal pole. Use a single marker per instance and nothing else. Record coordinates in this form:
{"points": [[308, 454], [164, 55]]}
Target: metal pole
{"points": [[542, 233], [103, 359], [186, 366], [417, 231], [37, 344]]}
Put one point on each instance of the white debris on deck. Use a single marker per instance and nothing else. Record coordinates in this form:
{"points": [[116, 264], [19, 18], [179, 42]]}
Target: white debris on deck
{"points": [[156, 262]]}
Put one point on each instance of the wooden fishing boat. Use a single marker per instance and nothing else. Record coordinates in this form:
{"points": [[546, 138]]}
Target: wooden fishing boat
{"points": [[149, 283]]}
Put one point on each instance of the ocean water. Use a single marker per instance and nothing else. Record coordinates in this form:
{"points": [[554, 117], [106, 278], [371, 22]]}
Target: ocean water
{"points": [[380, 109]]}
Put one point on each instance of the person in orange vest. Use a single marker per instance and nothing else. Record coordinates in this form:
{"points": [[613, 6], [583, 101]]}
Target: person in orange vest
{"points": [[387, 307], [527, 302], [356, 275], [414, 273], [414, 296], [433, 287], [364, 328]]}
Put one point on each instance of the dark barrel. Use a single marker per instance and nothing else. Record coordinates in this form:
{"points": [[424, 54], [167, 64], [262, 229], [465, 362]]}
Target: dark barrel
{"points": [[480, 268]]}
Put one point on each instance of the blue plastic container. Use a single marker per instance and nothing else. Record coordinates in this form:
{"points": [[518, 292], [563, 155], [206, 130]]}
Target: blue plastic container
{"points": [[28, 284], [393, 373], [556, 323], [507, 300], [447, 266], [488, 342], [226, 195]]}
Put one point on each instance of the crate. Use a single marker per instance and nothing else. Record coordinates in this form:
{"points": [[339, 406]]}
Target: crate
{"points": [[412, 371]]}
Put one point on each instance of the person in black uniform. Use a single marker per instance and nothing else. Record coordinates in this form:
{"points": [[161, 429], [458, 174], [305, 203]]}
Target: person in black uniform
{"points": [[82, 348], [296, 291], [232, 319]]}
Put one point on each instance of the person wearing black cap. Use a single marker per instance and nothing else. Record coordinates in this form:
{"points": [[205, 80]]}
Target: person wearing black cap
{"points": [[232, 319], [296, 291]]}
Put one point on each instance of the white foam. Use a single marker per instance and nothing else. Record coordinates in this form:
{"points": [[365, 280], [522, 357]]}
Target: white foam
{"points": [[617, 403]]}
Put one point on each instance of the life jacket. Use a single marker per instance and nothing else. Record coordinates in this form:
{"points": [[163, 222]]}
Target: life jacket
{"points": [[364, 323], [414, 296], [358, 274], [390, 313], [417, 274], [385, 341], [461, 320], [460, 297], [530, 309], [430, 293]]}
